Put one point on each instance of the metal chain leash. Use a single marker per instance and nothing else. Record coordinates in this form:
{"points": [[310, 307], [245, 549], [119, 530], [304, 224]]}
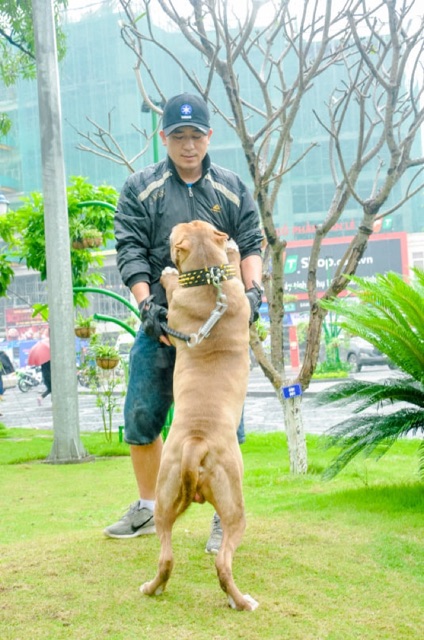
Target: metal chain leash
{"points": [[204, 331]]}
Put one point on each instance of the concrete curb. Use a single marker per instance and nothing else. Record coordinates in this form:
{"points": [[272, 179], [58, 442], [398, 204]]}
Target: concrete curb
{"points": [[269, 392]]}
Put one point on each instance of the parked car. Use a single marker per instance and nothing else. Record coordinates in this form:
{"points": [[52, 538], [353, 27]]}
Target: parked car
{"points": [[360, 353]]}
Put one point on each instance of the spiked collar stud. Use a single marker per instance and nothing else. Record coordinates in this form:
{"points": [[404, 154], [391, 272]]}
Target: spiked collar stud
{"points": [[207, 275]]}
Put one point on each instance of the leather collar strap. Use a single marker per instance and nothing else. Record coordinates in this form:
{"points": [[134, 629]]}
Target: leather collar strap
{"points": [[208, 275]]}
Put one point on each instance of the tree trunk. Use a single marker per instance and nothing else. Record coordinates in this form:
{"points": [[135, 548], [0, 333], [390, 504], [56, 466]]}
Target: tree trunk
{"points": [[291, 407], [295, 433]]}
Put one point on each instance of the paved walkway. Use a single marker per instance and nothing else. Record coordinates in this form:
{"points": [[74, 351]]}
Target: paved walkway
{"points": [[263, 411]]}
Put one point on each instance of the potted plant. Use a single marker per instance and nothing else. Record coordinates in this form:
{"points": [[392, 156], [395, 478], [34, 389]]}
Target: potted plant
{"points": [[84, 326], [109, 393], [107, 357], [87, 238], [108, 387]]}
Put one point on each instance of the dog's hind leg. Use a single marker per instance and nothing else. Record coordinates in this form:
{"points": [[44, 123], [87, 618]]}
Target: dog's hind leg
{"points": [[227, 497], [165, 516], [166, 512], [232, 533], [164, 523]]}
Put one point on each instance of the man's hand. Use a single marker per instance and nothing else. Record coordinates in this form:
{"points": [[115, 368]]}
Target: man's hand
{"points": [[254, 295], [152, 315]]}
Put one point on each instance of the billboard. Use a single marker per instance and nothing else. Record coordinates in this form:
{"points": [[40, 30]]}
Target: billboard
{"points": [[22, 325], [385, 252]]}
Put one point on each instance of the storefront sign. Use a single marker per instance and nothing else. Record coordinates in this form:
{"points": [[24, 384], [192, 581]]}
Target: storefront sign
{"points": [[384, 253]]}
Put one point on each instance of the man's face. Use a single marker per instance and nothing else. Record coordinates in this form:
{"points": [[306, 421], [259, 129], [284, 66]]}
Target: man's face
{"points": [[187, 146]]}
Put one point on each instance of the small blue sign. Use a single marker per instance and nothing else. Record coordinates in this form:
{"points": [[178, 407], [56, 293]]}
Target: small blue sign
{"points": [[292, 391]]}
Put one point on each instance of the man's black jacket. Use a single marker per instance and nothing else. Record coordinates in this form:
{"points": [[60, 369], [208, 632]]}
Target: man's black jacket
{"points": [[155, 199]]}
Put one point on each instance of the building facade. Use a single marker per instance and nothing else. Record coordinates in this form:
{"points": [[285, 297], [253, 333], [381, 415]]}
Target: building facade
{"points": [[98, 85]]}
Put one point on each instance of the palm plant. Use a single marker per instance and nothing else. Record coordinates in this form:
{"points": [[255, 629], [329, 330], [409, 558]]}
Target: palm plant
{"points": [[389, 315]]}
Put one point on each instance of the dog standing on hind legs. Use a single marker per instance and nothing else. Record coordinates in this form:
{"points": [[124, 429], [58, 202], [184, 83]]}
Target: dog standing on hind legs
{"points": [[201, 459]]}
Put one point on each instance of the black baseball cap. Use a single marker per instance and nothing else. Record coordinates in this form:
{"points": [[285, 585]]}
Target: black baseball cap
{"points": [[185, 110]]}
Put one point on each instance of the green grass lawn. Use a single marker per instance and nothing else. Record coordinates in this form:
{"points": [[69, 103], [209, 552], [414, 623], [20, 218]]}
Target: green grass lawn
{"points": [[326, 560]]}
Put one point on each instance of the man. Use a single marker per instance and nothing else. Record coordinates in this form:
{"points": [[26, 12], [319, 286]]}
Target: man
{"points": [[183, 187]]}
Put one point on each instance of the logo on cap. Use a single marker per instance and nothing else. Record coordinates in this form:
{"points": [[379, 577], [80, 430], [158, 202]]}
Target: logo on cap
{"points": [[186, 111]]}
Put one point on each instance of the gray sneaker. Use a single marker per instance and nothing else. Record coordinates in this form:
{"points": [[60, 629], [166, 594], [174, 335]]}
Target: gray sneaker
{"points": [[213, 545], [136, 522]]}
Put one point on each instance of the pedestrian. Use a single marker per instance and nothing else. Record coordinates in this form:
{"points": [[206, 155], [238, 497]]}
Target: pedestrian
{"points": [[39, 356], [46, 374], [183, 187], [6, 367]]}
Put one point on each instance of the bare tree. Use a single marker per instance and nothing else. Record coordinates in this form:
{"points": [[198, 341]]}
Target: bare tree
{"points": [[285, 50], [101, 142]]}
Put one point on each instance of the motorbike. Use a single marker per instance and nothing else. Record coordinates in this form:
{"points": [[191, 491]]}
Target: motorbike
{"points": [[83, 378], [28, 377], [87, 376]]}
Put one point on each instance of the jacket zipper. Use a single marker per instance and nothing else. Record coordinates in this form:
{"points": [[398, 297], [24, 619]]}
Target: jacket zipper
{"points": [[191, 202]]}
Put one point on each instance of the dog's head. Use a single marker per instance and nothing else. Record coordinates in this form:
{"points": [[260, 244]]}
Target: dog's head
{"points": [[197, 244]]}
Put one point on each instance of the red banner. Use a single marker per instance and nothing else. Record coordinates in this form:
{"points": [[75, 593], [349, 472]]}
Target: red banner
{"points": [[21, 325]]}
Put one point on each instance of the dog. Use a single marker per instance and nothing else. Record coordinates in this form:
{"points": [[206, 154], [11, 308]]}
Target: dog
{"points": [[201, 459]]}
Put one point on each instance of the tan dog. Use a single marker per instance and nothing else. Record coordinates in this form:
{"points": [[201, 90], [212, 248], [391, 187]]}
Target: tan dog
{"points": [[201, 459]]}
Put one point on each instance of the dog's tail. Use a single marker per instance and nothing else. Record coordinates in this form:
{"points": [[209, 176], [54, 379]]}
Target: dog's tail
{"points": [[194, 451]]}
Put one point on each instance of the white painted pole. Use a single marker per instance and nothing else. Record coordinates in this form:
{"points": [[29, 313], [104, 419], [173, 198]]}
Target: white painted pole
{"points": [[67, 446]]}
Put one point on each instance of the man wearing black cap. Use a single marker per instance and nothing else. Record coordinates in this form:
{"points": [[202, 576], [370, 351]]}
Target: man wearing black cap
{"points": [[183, 187]]}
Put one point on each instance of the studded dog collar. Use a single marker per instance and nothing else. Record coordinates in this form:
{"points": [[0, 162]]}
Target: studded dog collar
{"points": [[207, 275]]}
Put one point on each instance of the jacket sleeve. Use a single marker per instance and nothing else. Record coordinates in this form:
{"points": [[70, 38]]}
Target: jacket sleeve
{"points": [[247, 231], [132, 233]]}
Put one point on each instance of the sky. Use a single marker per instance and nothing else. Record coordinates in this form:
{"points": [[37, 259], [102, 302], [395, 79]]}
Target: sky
{"points": [[78, 4], [77, 7]]}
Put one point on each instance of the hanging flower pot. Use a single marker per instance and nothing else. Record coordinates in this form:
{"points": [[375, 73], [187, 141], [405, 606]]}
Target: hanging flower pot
{"points": [[84, 332], [107, 363], [84, 326], [87, 239], [107, 357], [90, 242]]}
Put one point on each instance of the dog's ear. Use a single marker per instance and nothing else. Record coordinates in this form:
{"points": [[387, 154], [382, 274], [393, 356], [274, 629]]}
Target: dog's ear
{"points": [[183, 244], [220, 238], [179, 250]]}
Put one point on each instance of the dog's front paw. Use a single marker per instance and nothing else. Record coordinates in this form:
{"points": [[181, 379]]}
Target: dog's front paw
{"points": [[169, 271], [169, 281], [232, 245], [169, 278]]}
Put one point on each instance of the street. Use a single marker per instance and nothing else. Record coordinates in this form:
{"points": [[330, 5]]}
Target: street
{"points": [[263, 412]]}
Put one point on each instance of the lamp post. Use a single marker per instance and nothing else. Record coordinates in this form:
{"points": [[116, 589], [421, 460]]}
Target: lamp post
{"points": [[145, 109], [67, 446], [4, 204]]}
